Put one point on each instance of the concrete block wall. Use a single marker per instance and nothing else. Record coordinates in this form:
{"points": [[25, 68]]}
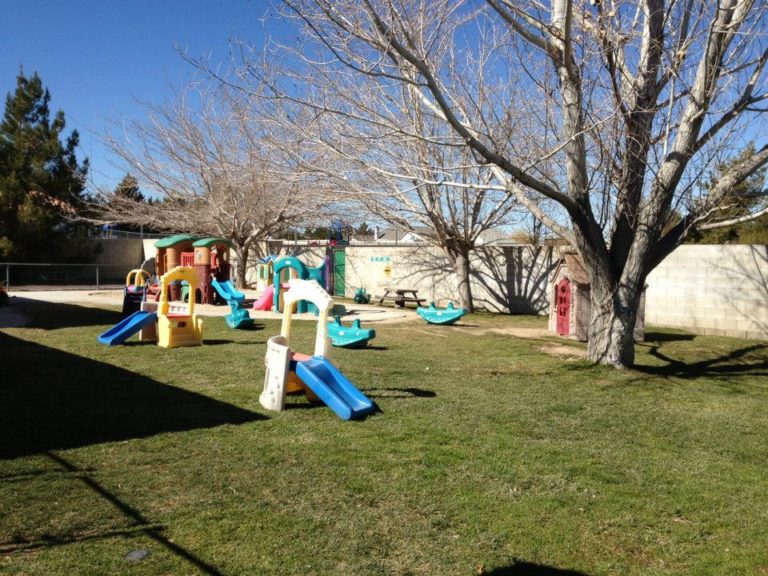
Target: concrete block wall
{"points": [[510, 279], [718, 290], [119, 252], [377, 268]]}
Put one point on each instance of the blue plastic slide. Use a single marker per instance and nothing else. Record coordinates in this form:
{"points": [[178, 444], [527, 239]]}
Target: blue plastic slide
{"points": [[227, 290], [126, 328], [333, 388], [239, 317]]}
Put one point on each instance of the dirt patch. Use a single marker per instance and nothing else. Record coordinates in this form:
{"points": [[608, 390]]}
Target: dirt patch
{"points": [[516, 332], [563, 351], [523, 332]]}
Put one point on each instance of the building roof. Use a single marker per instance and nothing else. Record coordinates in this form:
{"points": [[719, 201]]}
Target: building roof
{"points": [[425, 233], [211, 241], [493, 236], [170, 241], [576, 270], [396, 234]]}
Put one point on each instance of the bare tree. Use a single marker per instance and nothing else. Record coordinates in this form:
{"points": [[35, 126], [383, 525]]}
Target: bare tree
{"points": [[213, 161], [426, 179], [620, 106]]}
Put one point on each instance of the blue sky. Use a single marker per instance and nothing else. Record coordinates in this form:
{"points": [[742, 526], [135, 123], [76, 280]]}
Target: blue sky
{"points": [[98, 56]]}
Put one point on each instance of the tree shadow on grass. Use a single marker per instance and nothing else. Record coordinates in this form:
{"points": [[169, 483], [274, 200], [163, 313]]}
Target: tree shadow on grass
{"points": [[138, 343], [651, 337], [137, 524], [55, 315], [521, 568], [219, 342], [51, 400], [245, 329], [746, 361], [398, 393]]}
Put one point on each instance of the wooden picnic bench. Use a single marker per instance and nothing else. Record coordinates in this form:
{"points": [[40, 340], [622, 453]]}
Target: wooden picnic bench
{"points": [[400, 296]]}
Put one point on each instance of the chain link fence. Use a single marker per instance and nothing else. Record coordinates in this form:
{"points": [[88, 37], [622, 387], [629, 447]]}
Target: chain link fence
{"points": [[112, 233], [44, 276]]}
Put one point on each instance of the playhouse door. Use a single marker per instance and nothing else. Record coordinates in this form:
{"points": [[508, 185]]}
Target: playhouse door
{"points": [[563, 299], [339, 266]]}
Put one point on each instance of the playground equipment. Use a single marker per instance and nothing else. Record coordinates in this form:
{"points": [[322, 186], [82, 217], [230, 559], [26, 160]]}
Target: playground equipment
{"points": [[170, 251], [238, 316], [291, 267], [135, 291], [265, 271], [315, 373], [127, 327], [209, 257], [148, 332], [350, 336], [266, 299], [177, 323], [447, 315], [361, 296], [227, 290]]}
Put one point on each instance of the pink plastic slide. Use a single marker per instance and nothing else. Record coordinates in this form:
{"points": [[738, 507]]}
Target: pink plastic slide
{"points": [[265, 300]]}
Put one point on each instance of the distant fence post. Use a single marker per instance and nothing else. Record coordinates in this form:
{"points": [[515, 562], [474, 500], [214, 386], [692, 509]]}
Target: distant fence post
{"points": [[97, 277]]}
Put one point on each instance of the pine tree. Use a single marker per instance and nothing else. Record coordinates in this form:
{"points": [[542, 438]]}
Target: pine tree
{"points": [[129, 189], [749, 196], [40, 178], [127, 193]]}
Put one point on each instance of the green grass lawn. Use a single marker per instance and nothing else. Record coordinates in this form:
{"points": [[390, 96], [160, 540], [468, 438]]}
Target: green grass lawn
{"points": [[487, 456]]}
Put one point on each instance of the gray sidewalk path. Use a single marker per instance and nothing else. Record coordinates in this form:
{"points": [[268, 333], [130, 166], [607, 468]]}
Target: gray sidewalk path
{"points": [[365, 312]]}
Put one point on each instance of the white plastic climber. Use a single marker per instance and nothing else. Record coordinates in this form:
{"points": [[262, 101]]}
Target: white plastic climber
{"points": [[278, 359], [279, 353], [311, 291]]}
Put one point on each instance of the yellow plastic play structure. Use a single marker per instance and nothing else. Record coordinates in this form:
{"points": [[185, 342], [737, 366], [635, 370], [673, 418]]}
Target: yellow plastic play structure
{"points": [[137, 277], [264, 272], [177, 323]]}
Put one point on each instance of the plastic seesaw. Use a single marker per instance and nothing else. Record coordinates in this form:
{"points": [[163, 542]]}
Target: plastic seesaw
{"points": [[349, 336], [435, 315]]}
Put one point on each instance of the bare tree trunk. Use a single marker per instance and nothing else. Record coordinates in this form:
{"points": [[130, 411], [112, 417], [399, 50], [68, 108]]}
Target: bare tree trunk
{"points": [[460, 261], [242, 265], [465, 289], [612, 323]]}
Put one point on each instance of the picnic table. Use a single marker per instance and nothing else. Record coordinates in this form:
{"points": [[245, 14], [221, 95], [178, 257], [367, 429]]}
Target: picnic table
{"points": [[400, 296]]}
